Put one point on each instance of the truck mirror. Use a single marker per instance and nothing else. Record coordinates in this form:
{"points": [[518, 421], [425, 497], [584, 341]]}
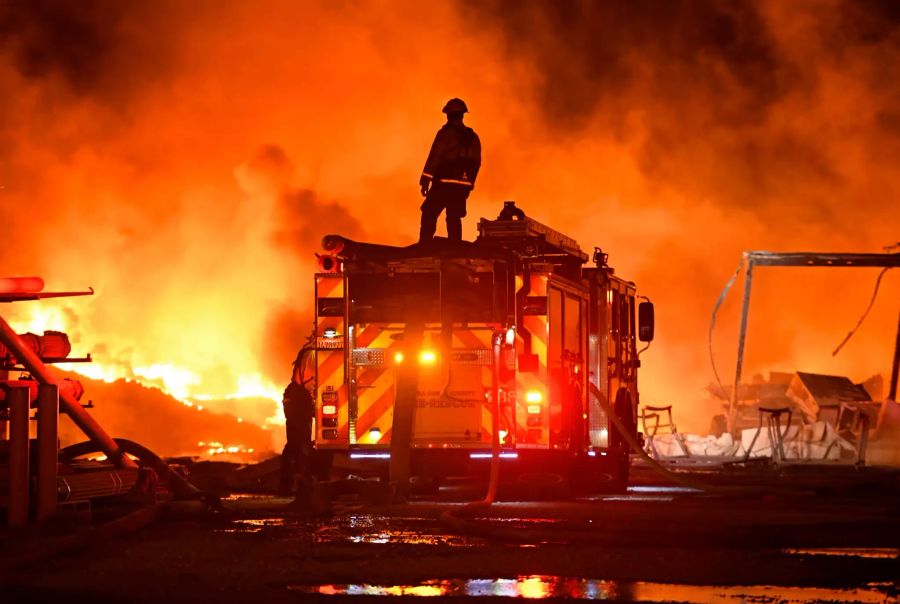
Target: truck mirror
{"points": [[645, 321]]}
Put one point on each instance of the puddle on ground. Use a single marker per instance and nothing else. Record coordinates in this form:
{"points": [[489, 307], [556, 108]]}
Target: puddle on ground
{"points": [[884, 553], [355, 529], [253, 525], [542, 586], [394, 530], [529, 521], [657, 489], [256, 498]]}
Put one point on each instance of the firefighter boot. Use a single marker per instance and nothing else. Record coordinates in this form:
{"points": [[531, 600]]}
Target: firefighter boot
{"points": [[454, 228]]}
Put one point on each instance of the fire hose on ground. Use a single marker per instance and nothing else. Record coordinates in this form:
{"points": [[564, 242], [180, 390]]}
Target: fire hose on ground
{"points": [[463, 518], [180, 486]]}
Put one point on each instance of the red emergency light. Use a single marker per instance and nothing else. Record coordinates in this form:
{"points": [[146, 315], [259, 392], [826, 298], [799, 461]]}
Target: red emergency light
{"points": [[21, 285]]}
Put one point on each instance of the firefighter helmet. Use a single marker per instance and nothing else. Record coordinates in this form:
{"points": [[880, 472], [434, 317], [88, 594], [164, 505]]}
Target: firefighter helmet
{"points": [[455, 105]]}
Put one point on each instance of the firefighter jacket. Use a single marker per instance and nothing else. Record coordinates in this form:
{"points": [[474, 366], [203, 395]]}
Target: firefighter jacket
{"points": [[299, 410], [455, 156]]}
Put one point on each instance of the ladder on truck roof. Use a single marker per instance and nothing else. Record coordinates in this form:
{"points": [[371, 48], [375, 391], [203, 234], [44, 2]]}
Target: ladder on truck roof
{"points": [[514, 230]]}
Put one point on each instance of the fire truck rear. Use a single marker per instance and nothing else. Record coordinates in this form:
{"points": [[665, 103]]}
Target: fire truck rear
{"points": [[569, 353]]}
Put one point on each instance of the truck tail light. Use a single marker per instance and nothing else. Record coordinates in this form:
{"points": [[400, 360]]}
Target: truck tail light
{"points": [[427, 357], [535, 408], [329, 410]]}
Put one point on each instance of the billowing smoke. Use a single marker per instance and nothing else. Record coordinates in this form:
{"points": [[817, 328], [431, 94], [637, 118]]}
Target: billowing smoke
{"points": [[186, 158]]}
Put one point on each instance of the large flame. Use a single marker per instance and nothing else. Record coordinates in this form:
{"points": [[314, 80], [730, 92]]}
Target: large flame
{"points": [[185, 159]]}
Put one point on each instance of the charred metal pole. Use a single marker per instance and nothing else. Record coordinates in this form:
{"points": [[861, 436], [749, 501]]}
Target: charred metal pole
{"points": [[18, 399], [742, 338], [72, 407], [892, 393], [48, 450]]}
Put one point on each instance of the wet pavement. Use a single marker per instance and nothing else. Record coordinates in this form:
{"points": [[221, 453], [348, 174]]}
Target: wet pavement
{"points": [[652, 544]]}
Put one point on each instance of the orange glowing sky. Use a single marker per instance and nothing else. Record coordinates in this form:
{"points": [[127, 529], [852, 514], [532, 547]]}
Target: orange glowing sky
{"points": [[186, 158]]}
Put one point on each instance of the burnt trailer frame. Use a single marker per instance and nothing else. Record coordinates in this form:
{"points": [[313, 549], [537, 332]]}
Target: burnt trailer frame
{"points": [[805, 259]]}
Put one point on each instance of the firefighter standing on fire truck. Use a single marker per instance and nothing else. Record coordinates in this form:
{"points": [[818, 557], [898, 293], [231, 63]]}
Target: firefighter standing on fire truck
{"points": [[450, 172]]}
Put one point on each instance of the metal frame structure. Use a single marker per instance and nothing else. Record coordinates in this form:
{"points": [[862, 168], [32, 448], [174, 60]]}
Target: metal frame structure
{"points": [[805, 259]]}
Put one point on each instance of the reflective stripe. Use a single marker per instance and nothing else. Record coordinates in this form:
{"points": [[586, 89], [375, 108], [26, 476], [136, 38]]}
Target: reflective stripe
{"points": [[456, 182], [427, 174]]}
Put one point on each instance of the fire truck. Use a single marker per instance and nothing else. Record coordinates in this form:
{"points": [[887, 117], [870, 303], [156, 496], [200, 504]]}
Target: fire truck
{"points": [[567, 358]]}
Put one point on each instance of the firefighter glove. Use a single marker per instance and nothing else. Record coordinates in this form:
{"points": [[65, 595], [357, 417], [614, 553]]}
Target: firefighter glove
{"points": [[425, 183]]}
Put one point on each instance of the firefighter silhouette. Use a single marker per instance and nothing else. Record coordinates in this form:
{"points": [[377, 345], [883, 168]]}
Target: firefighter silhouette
{"points": [[449, 174], [298, 413]]}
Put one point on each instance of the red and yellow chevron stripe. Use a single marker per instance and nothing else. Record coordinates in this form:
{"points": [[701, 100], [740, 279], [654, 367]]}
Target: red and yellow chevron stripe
{"points": [[330, 366], [375, 385]]}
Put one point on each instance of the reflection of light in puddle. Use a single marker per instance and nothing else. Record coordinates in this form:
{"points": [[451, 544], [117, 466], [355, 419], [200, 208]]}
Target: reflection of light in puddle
{"points": [[408, 538], [380, 530], [540, 586], [851, 552], [657, 498], [253, 525], [528, 520], [255, 498], [661, 489]]}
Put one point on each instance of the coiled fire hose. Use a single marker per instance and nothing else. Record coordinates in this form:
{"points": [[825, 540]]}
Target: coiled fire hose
{"points": [[180, 486]]}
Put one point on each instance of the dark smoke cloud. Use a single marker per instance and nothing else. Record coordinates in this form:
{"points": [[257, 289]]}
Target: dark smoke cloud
{"points": [[302, 218], [92, 47], [590, 52], [708, 79]]}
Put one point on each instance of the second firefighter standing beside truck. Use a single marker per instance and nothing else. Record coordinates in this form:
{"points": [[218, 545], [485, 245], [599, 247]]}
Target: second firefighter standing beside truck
{"points": [[449, 174], [299, 410]]}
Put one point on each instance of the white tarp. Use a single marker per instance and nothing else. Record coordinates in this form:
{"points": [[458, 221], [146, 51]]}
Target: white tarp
{"points": [[817, 440]]}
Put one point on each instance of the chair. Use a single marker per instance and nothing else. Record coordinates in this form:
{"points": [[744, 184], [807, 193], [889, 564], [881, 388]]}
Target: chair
{"points": [[853, 424], [655, 419], [770, 419]]}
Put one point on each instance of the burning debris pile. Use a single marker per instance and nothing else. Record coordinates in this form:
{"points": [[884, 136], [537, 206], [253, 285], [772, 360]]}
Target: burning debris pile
{"points": [[809, 396], [169, 427], [800, 416]]}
